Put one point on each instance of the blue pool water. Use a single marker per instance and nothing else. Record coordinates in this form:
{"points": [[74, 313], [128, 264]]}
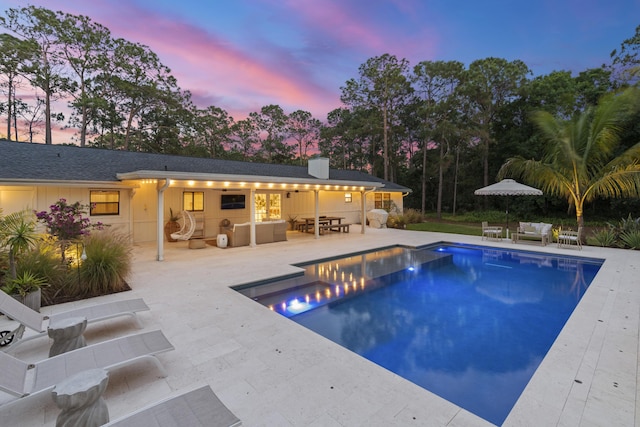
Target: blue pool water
{"points": [[468, 323]]}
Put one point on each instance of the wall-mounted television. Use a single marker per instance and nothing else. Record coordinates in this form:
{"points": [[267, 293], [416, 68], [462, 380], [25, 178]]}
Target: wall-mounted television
{"points": [[232, 201]]}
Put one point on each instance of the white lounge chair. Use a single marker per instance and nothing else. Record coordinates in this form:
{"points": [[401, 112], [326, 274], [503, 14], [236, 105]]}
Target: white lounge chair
{"points": [[39, 322], [187, 229], [20, 378], [200, 407]]}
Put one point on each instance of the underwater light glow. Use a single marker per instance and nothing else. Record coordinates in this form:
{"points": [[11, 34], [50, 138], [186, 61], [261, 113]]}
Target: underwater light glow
{"points": [[296, 306]]}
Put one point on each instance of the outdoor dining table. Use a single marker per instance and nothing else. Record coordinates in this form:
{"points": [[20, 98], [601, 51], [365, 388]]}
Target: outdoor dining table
{"points": [[323, 220]]}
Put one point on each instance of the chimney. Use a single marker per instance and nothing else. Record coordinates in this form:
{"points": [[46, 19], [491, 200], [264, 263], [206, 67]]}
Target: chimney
{"points": [[319, 167]]}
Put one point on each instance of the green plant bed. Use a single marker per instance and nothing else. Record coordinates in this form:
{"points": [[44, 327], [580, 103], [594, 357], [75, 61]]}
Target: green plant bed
{"points": [[62, 298]]}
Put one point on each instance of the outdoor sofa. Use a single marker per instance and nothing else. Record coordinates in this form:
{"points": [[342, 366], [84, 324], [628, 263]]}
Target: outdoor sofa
{"points": [[533, 231], [266, 232]]}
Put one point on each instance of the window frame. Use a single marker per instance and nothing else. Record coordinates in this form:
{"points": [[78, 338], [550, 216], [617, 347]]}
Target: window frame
{"points": [[193, 200], [382, 201], [94, 206]]}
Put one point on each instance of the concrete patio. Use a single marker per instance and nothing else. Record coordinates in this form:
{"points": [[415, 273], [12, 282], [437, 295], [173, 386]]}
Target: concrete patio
{"points": [[272, 372]]}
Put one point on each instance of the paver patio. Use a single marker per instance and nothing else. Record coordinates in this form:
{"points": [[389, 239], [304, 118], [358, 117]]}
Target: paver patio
{"points": [[272, 372]]}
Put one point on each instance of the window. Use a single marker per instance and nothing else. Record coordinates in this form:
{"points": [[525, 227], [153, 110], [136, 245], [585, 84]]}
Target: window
{"points": [[382, 201], [193, 201], [104, 202], [348, 198]]}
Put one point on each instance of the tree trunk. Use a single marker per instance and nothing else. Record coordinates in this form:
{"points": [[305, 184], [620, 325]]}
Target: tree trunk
{"points": [[485, 170], [9, 114], [424, 176], [47, 117], [385, 152], [455, 181], [440, 174]]}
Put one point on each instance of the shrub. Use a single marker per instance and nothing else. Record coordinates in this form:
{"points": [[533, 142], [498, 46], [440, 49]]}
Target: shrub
{"points": [[4, 265], [43, 261], [396, 221], [605, 237], [107, 266], [413, 216], [630, 239], [65, 223], [627, 225]]}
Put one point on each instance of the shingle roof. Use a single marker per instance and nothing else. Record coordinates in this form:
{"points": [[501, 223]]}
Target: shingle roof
{"points": [[39, 162]]}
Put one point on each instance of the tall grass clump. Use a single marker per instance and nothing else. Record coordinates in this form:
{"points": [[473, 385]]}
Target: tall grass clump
{"points": [[605, 237], [107, 266], [43, 262], [630, 239]]}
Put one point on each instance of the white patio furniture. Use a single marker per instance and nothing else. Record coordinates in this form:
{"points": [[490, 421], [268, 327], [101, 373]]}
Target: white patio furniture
{"points": [[40, 323], [491, 231], [197, 408], [21, 378], [568, 238], [188, 227]]}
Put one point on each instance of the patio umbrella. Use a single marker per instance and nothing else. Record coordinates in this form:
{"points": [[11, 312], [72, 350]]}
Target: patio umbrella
{"points": [[507, 187]]}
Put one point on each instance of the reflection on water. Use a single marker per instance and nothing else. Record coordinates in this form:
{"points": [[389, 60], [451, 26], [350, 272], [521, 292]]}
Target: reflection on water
{"points": [[469, 324]]}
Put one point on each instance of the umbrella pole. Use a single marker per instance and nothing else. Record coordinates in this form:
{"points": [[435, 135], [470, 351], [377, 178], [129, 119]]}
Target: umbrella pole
{"points": [[507, 217]]}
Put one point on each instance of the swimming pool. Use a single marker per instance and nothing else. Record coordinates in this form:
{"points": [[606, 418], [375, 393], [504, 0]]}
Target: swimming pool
{"points": [[468, 323]]}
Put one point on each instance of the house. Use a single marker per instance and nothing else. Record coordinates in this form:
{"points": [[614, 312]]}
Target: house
{"points": [[134, 192]]}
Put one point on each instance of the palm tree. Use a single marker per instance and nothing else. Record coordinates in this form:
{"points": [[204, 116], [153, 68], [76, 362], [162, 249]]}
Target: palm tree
{"points": [[580, 161]]}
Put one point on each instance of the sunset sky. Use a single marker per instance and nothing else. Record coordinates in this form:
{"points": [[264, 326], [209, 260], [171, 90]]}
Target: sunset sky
{"points": [[243, 54]]}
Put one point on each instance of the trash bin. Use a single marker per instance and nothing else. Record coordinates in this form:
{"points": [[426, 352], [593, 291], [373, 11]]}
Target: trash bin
{"points": [[221, 241]]}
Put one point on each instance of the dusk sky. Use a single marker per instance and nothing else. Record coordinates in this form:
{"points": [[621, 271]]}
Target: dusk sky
{"points": [[241, 55]]}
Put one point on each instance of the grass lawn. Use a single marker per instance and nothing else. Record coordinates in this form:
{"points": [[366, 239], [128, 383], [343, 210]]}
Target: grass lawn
{"points": [[443, 227]]}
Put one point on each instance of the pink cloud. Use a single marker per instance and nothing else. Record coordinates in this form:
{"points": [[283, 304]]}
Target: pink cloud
{"points": [[208, 65], [239, 79]]}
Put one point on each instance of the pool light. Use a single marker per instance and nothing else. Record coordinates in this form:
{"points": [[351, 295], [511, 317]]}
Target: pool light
{"points": [[296, 306]]}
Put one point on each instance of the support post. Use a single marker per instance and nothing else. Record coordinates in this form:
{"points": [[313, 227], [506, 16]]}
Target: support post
{"points": [[316, 194]]}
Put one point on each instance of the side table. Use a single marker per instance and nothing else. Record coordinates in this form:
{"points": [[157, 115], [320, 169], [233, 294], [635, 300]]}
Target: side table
{"points": [[67, 335], [221, 240], [80, 398]]}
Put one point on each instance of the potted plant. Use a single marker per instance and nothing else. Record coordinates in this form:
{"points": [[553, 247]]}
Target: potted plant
{"points": [[26, 288], [171, 226], [293, 220]]}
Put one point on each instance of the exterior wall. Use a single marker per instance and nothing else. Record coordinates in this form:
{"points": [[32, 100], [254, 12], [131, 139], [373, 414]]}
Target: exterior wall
{"points": [[17, 198], [144, 213]]}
